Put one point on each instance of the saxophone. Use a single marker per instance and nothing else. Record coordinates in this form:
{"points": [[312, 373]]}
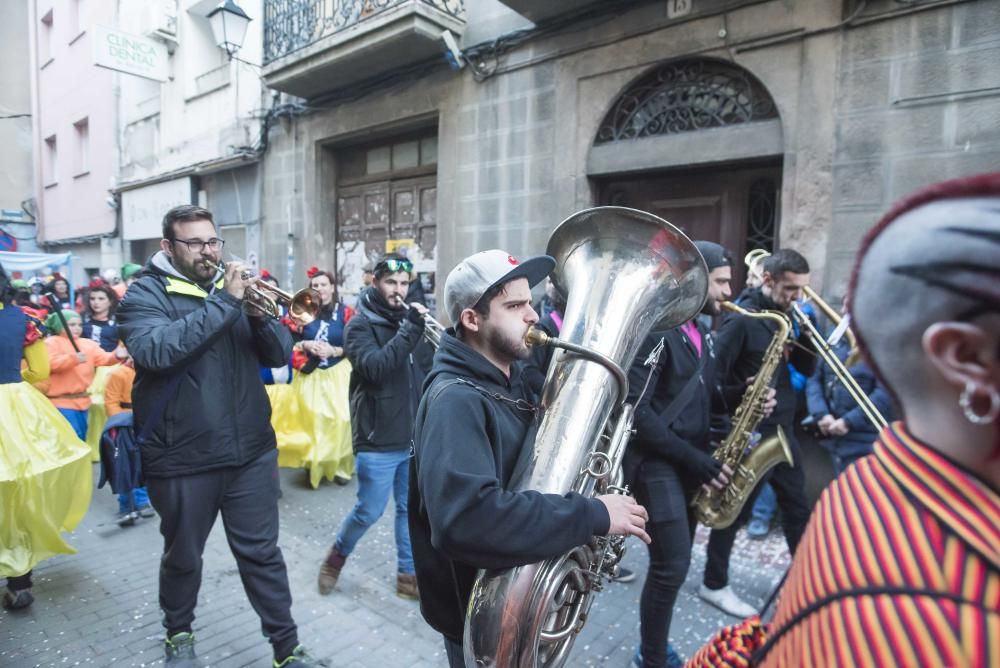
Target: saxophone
{"points": [[744, 452]]}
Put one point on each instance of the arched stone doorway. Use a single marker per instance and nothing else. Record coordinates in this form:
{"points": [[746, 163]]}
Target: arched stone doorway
{"points": [[698, 142]]}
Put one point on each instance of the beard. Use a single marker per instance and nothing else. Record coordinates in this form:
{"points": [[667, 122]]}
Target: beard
{"points": [[199, 270], [711, 308], [509, 346]]}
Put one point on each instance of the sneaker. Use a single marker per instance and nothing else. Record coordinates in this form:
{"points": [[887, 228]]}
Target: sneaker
{"points": [[674, 659], [758, 529], [179, 650], [623, 575], [146, 511], [127, 518], [341, 480], [299, 658], [329, 571], [406, 586], [725, 599], [17, 599]]}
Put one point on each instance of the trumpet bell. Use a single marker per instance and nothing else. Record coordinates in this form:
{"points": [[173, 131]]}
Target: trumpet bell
{"points": [[304, 306]]}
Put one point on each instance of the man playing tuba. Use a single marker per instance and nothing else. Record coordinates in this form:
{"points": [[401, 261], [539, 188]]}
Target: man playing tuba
{"points": [[472, 426]]}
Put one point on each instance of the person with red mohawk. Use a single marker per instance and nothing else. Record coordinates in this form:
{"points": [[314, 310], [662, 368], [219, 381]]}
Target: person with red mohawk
{"points": [[900, 562]]}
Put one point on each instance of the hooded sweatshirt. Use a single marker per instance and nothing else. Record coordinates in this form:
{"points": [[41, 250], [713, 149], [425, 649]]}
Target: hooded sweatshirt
{"points": [[469, 435]]}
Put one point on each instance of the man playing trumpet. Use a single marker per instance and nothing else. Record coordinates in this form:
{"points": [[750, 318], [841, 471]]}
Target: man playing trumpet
{"points": [[204, 428], [385, 344]]}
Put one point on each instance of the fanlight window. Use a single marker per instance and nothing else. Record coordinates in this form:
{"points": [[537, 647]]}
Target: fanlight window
{"points": [[684, 96]]}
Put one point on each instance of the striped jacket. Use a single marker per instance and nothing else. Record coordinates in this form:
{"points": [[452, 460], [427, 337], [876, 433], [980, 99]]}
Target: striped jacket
{"points": [[921, 528]]}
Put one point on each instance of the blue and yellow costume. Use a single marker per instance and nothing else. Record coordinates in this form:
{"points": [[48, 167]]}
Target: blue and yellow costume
{"points": [[323, 405], [45, 472]]}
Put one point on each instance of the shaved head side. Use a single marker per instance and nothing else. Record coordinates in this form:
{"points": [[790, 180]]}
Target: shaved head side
{"points": [[935, 257]]}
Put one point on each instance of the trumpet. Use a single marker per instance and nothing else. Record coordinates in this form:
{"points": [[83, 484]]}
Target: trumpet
{"points": [[433, 330], [303, 306]]}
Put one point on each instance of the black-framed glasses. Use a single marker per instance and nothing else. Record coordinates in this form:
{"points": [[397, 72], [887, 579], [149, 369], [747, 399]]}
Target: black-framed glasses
{"points": [[197, 245], [393, 265]]}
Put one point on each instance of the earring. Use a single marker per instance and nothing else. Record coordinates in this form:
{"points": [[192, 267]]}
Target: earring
{"points": [[965, 401]]}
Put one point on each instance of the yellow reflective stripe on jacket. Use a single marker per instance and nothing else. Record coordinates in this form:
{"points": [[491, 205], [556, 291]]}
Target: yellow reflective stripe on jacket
{"points": [[179, 286]]}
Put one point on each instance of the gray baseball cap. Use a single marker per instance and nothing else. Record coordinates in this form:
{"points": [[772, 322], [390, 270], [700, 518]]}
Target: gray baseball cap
{"points": [[477, 274]]}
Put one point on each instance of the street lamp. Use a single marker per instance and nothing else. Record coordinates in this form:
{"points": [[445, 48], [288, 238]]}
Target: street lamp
{"points": [[229, 26]]}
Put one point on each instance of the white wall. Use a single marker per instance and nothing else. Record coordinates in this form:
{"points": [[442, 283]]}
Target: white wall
{"points": [[209, 105]]}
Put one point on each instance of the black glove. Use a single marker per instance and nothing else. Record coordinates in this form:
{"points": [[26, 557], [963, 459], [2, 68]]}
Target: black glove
{"points": [[416, 318], [698, 463]]}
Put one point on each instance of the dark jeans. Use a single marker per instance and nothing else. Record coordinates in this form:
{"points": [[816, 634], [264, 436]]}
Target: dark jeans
{"points": [[789, 484], [456, 657], [19, 582], [247, 496], [667, 498]]}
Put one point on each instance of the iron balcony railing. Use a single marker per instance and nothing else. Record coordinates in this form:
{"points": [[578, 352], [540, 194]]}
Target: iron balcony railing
{"points": [[290, 25]]}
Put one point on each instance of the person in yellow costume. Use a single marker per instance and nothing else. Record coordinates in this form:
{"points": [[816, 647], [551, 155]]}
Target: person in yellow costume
{"points": [[321, 383], [45, 473]]}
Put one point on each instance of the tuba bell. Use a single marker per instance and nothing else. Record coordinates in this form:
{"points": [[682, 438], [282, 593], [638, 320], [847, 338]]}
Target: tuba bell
{"points": [[624, 272]]}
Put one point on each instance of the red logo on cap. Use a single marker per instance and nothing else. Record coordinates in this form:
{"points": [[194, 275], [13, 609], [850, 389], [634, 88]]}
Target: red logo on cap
{"points": [[511, 259]]}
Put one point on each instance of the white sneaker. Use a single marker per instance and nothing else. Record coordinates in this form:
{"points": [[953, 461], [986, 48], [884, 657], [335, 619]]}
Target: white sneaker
{"points": [[725, 599]]}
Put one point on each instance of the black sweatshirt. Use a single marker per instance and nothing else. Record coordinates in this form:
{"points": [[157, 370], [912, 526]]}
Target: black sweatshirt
{"points": [[740, 346], [462, 516]]}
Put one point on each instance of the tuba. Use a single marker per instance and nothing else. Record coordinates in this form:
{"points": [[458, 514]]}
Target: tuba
{"points": [[624, 272], [744, 452]]}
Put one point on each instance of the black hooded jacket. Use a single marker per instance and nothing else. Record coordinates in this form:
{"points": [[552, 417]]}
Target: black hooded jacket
{"points": [[389, 359], [740, 345], [218, 415], [462, 516]]}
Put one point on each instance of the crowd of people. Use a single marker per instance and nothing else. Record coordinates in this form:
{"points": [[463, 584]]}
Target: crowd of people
{"points": [[897, 563]]}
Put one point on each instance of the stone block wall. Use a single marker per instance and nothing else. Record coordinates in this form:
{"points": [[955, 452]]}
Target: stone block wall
{"points": [[918, 101]]}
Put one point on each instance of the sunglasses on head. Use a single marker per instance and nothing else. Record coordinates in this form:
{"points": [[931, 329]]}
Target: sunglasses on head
{"points": [[392, 265]]}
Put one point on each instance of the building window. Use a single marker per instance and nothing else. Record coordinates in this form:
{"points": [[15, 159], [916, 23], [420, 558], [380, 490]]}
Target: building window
{"points": [[684, 96], [400, 155], [49, 175], [45, 40], [82, 158]]}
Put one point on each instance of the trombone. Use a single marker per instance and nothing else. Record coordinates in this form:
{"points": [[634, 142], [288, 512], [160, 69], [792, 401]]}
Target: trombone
{"points": [[303, 306], [754, 261], [827, 354]]}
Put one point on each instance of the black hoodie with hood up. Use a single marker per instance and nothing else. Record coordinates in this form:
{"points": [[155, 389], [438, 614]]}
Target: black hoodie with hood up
{"points": [[471, 426]]}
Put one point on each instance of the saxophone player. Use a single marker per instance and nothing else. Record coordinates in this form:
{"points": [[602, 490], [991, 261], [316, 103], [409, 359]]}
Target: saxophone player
{"points": [[741, 343], [669, 457], [472, 427]]}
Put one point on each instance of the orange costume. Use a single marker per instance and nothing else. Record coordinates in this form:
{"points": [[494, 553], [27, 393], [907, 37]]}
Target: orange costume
{"points": [[69, 378], [118, 393]]}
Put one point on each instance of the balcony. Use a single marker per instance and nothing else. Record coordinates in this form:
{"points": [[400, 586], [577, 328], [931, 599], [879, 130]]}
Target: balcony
{"points": [[314, 47], [539, 11]]}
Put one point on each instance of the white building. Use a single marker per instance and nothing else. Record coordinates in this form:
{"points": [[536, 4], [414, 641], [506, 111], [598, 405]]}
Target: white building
{"points": [[195, 138]]}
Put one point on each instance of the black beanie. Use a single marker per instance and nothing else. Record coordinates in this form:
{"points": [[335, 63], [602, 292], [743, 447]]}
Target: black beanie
{"points": [[715, 255]]}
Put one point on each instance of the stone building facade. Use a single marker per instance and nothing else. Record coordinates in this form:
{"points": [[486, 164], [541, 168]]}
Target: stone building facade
{"points": [[758, 123]]}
